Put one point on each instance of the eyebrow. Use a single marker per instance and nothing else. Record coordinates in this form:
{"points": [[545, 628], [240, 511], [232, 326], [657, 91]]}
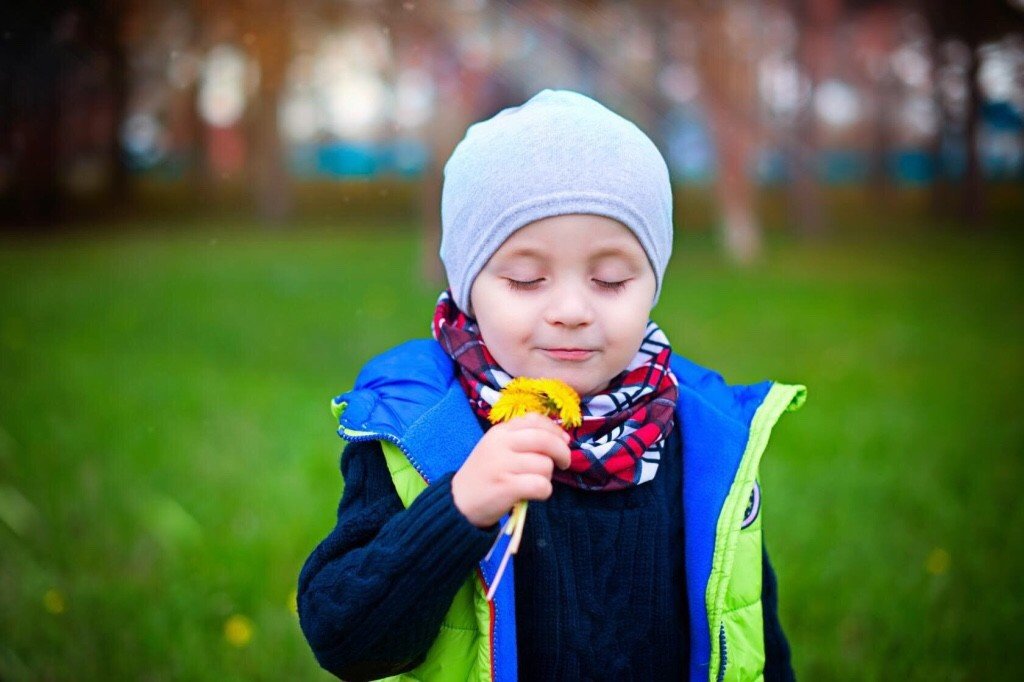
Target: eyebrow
{"points": [[606, 252], [527, 252], [614, 252]]}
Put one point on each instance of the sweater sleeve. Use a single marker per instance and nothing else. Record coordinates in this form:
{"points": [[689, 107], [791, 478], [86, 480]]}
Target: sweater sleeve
{"points": [[777, 665], [372, 595]]}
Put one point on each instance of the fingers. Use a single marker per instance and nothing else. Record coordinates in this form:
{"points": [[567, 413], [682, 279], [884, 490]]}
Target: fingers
{"points": [[538, 434], [514, 461], [535, 440], [537, 421], [532, 487], [563, 457], [529, 463]]}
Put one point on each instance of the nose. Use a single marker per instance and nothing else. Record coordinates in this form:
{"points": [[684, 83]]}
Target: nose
{"points": [[569, 306]]}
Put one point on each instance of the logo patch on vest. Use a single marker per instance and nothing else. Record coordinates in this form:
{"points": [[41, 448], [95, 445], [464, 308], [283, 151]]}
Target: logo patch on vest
{"points": [[753, 507]]}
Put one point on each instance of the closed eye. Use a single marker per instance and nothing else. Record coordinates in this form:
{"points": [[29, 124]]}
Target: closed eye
{"points": [[611, 286], [523, 285]]}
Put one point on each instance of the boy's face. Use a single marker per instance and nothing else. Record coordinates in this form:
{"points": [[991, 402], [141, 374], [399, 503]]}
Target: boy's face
{"points": [[566, 297]]}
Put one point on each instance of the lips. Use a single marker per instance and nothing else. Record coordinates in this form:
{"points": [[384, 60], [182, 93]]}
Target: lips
{"points": [[569, 354]]}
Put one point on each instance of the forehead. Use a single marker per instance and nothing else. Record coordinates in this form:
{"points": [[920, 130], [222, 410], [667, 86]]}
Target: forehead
{"points": [[576, 235]]}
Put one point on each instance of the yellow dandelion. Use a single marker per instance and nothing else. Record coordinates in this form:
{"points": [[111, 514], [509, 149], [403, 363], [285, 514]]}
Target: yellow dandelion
{"points": [[293, 601], [53, 601], [514, 404], [523, 395], [550, 397], [238, 630], [937, 562]]}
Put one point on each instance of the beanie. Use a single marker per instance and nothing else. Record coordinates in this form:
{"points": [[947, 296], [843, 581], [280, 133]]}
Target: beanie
{"points": [[559, 153]]}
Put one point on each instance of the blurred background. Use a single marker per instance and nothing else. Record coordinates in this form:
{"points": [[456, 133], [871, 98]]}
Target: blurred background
{"points": [[212, 213]]}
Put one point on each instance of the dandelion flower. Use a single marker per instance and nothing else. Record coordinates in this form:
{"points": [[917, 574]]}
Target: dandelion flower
{"points": [[238, 630], [515, 403], [550, 397], [938, 561], [53, 601]]}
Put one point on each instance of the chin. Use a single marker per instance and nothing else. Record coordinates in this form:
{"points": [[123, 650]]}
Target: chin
{"points": [[581, 379], [584, 387]]}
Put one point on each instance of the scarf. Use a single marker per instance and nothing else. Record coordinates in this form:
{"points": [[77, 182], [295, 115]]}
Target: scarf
{"points": [[625, 427]]}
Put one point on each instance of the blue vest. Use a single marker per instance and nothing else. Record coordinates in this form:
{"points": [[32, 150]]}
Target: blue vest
{"points": [[409, 396]]}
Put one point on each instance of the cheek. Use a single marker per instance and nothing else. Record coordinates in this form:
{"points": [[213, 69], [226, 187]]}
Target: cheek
{"points": [[506, 333], [502, 318], [508, 350], [629, 331], [512, 339]]}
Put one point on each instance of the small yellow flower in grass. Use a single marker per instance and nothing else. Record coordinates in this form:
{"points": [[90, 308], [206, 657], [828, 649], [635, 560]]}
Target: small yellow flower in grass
{"points": [[293, 601], [238, 630], [523, 395], [937, 562], [53, 601]]}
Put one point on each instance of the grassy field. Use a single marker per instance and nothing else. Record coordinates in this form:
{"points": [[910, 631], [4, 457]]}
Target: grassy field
{"points": [[168, 459]]}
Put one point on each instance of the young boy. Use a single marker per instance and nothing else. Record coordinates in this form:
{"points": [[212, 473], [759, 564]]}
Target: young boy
{"points": [[642, 555]]}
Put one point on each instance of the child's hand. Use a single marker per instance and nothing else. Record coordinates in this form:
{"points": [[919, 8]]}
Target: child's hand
{"points": [[513, 461]]}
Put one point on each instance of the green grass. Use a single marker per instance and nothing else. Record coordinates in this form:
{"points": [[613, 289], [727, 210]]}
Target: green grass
{"points": [[168, 459]]}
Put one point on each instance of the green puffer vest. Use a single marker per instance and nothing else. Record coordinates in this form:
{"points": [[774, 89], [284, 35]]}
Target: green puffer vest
{"points": [[727, 630]]}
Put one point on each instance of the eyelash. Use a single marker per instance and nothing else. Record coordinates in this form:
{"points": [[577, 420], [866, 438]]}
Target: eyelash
{"points": [[518, 285]]}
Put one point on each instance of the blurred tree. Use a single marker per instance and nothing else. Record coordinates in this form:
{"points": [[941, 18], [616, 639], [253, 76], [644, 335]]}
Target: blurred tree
{"points": [[69, 68], [61, 102], [39, 69], [973, 23], [468, 88], [817, 22], [727, 61], [267, 33], [110, 40], [262, 28], [876, 25], [427, 32]]}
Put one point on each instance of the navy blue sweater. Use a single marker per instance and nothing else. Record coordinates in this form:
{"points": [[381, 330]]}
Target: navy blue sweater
{"points": [[600, 588]]}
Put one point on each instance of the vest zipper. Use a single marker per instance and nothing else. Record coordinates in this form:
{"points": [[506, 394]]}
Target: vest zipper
{"points": [[724, 658]]}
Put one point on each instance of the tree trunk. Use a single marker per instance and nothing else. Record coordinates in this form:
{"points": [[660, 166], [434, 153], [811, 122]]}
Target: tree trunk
{"points": [[272, 186], [37, 197], [815, 51], [727, 71], [880, 181], [938, 204], [113, 45], [973, 206], [274, 201]]}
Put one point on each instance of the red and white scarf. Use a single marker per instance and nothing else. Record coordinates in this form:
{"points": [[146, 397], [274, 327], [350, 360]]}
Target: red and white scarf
{"points": [[625, 427]]}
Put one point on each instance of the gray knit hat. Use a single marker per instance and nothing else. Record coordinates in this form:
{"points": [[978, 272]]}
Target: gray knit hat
{"points": [[559, 153]]}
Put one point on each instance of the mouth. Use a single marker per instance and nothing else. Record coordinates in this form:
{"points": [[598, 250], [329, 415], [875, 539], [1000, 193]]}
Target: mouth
{"points": [[569, 354]]}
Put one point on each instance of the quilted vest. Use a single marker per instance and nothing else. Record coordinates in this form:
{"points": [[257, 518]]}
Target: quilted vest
{"points": [[409, 399]]}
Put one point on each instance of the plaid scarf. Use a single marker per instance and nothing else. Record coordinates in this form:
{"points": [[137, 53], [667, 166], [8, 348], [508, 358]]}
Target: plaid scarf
{"points": [[624, 430]]}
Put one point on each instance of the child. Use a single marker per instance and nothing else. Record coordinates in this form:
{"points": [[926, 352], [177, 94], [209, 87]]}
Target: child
{"points": [[642, 555]]}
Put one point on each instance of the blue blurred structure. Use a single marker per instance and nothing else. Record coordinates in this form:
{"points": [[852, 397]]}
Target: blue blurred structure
{"points": [[341, 159], [690, 153]]}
